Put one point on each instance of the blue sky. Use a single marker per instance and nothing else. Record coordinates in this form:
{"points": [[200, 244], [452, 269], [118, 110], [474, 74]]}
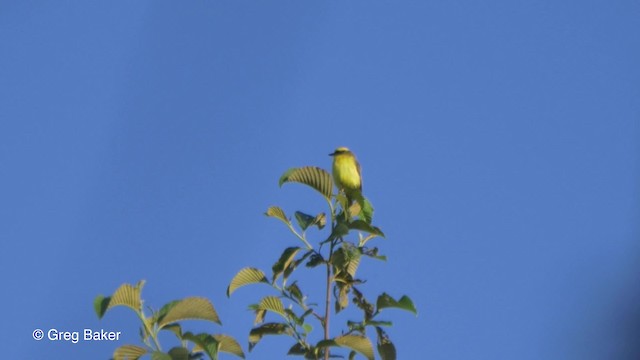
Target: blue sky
{"points": [[499, 143]]}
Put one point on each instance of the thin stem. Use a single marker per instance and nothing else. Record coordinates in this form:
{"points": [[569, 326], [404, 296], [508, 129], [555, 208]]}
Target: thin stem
{"points": [[327, 309], [148, 330], [306, 243]]}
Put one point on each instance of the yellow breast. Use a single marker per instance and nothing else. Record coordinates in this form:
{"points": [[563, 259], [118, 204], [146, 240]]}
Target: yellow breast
{"points": [[345, 172]]}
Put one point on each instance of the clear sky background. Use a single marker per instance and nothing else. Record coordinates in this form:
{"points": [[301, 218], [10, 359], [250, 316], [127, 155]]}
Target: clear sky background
{"points": [[499, 143]]}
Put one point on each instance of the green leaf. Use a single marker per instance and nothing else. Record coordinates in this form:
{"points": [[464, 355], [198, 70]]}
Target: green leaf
{"points": [[304, 220], [197, 308], [174, 328], [362, 303], [386, 301], [355, 326], [273, 304], [364, 226], [358, 343], [320, 221], [126, 295], [260, 314], [229, 345], [386, 349], [346, 259], [279, 214], [266, 329], [129, 352], [244, 277], [315, 260], [179, 353], [157, 355], [339, 231], [343, 297], [379, 323], [297, 349], [100, 305], [295, 291], [367, 211], [293, 317], [373, 253], [315, 177], [342, 200], [355, 209], [285, 260], [205, 342], [306, 313]]}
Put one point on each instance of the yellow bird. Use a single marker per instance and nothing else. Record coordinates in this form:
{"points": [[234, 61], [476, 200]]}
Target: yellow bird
{"points": [[346, 173]]}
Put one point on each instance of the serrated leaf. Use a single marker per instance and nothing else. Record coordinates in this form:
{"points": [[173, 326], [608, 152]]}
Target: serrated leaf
{"points": [[229, 345], [352, 267], [358, 343], [273, 304], [386, 301], [194, 308], [129, 352], [244, 277], [315, 177], [257, 333], [178, 353], [346, 259], [205, 342], [278, 213], [386, 349], [364, 226], [148, 323], [260, 314], [285, 260], [126, 295]]}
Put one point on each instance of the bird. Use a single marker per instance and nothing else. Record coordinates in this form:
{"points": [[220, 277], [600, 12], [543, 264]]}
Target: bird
{"points": [[346, 174]]}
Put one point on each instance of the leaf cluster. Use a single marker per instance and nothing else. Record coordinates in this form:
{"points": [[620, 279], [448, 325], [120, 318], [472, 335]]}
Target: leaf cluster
{"points": [[340, 254], [168, 318]]}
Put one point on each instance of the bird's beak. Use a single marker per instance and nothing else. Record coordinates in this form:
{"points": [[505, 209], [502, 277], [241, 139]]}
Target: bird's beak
{"points": [[333, 153]]}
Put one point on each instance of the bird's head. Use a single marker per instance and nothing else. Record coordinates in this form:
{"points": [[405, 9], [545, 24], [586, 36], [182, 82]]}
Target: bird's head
{"points": [[340, 150]]}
